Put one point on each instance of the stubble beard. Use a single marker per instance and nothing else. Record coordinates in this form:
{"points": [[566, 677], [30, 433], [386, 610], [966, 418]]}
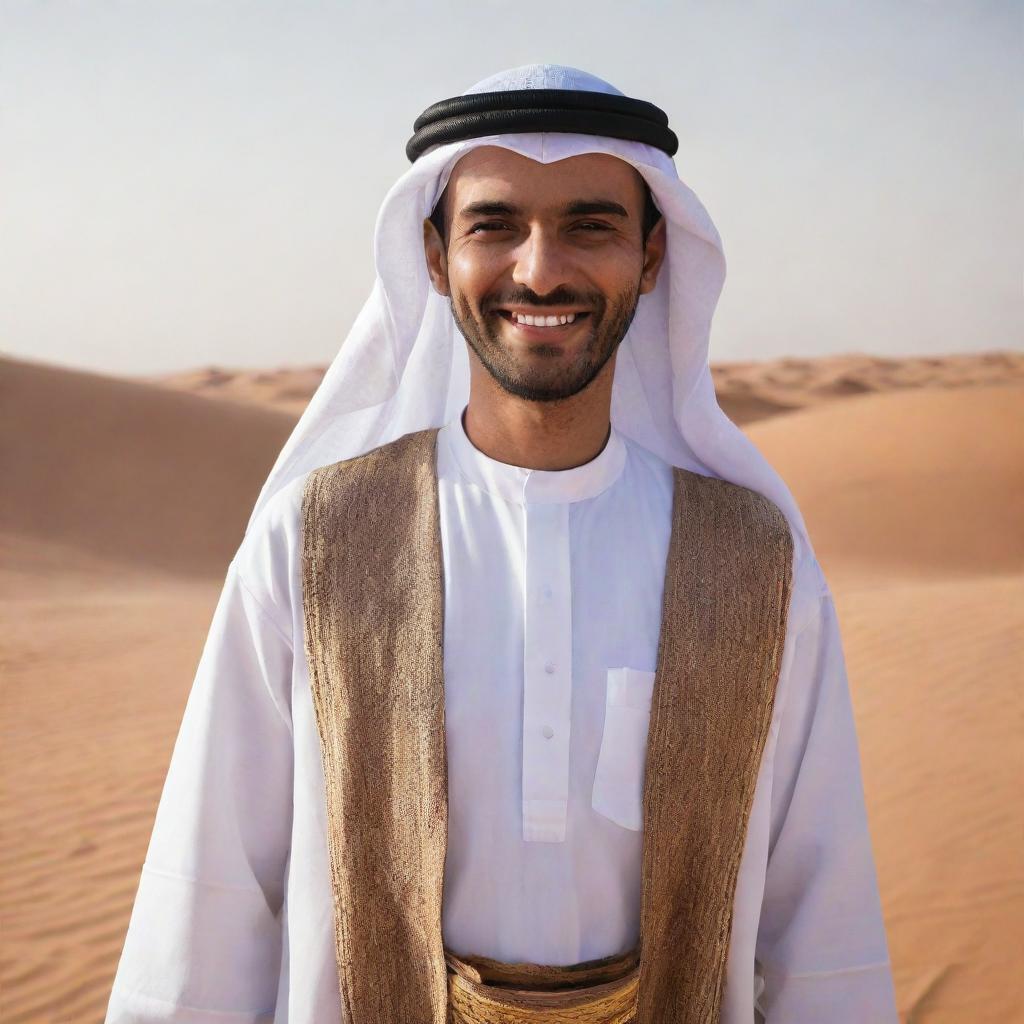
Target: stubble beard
{"points": [[606, 327]]}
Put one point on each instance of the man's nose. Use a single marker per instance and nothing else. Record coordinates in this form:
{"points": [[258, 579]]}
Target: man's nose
{"points": [[542, 264]]}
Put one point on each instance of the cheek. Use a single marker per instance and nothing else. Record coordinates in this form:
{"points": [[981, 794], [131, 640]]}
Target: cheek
{"points": [[474, 275], [617, 271]]}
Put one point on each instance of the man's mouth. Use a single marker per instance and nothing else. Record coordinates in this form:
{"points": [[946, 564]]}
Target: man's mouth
{"points": [[547, 320]]}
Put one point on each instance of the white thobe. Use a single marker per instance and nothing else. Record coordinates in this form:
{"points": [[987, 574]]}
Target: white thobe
{"points": [[553, 586]]}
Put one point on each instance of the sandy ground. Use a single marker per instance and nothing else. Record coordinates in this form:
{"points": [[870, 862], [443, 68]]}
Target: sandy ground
{"points": [[118, 521]]}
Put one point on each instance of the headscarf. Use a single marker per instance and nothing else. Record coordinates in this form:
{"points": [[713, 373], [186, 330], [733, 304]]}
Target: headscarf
{"points": [[404, 365]]}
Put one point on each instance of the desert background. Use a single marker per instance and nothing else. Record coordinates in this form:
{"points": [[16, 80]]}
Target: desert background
{"points": [[118, 522], [188, 193]]}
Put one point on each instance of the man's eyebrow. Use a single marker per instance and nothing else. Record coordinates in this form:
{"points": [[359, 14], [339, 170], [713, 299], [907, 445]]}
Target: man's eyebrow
{"points": [[588, 207], [489, 208], [579, 208]]}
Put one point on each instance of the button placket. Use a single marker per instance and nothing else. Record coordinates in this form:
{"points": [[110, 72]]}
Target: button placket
{"points": [[547, 673]]}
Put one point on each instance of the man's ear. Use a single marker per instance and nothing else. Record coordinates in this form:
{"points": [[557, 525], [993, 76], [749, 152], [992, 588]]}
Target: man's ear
{"points": [[654, 256], [436, 254]]}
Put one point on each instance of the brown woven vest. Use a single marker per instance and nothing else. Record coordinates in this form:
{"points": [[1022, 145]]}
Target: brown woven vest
{"points": [[373, 607]]}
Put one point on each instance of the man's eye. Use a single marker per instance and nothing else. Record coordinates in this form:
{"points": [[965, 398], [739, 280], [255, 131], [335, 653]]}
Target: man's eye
{"points": [[592, 225], [487, 225]]}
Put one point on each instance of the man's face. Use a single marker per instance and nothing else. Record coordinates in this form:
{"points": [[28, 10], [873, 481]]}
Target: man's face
{"points": [[560, 244]]}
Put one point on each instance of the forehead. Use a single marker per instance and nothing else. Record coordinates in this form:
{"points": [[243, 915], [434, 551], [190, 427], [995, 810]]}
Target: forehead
{"points": [[497, 174]]}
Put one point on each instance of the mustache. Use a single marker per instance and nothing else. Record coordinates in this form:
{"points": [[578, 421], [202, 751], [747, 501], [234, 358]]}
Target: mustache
{"points": [[559, 297]]}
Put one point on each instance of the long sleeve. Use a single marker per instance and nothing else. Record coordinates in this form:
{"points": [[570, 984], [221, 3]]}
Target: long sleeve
{"points": [[821, 947], [204, 943]]}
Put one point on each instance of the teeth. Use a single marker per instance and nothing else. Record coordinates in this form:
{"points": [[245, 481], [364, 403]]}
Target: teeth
{"points": [[543, 321]]}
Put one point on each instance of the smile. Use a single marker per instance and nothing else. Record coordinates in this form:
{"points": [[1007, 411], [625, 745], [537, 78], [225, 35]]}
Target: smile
{"points": [[531, 320]]}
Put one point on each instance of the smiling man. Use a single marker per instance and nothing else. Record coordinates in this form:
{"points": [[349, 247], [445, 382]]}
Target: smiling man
{"points": [[525, 698]]}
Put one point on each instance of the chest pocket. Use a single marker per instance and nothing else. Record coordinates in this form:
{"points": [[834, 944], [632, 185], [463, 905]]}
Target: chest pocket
{"points": [[619, 780]]}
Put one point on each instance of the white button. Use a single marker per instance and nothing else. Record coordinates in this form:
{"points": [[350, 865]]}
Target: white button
{"points": [[548, 732], [550, 668]]}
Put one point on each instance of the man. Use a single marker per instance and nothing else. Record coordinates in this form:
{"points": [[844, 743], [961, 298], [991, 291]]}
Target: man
{"points": [[541, 715]]}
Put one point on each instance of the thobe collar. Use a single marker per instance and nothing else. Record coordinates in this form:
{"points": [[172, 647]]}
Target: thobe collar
{"points": [[521, 486]]}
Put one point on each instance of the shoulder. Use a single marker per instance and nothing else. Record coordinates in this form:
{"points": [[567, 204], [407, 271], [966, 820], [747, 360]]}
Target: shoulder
{"points": [[276, 522], [351, 496], [267, 561], [413, 449], [719, 511], [763, 523], [810, 587]]}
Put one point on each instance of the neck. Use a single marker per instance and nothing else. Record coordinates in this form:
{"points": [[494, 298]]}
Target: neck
{"points": [[538, 435]]}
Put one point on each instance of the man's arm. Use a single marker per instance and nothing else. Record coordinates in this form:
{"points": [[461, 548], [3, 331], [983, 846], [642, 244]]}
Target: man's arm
{"points": [[204, 943], [821, 946]]}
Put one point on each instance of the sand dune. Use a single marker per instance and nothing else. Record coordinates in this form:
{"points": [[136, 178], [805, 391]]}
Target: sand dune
{"points": [[119, 520], [746, 391], [285, 388], [130, 472], [908, 484], [754, 391]]}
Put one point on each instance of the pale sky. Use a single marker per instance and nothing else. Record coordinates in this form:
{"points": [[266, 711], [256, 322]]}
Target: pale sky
{"points": [[185, 184]]}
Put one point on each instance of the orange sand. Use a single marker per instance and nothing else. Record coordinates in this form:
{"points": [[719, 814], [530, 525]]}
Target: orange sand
{"points": [[118, 521]]}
